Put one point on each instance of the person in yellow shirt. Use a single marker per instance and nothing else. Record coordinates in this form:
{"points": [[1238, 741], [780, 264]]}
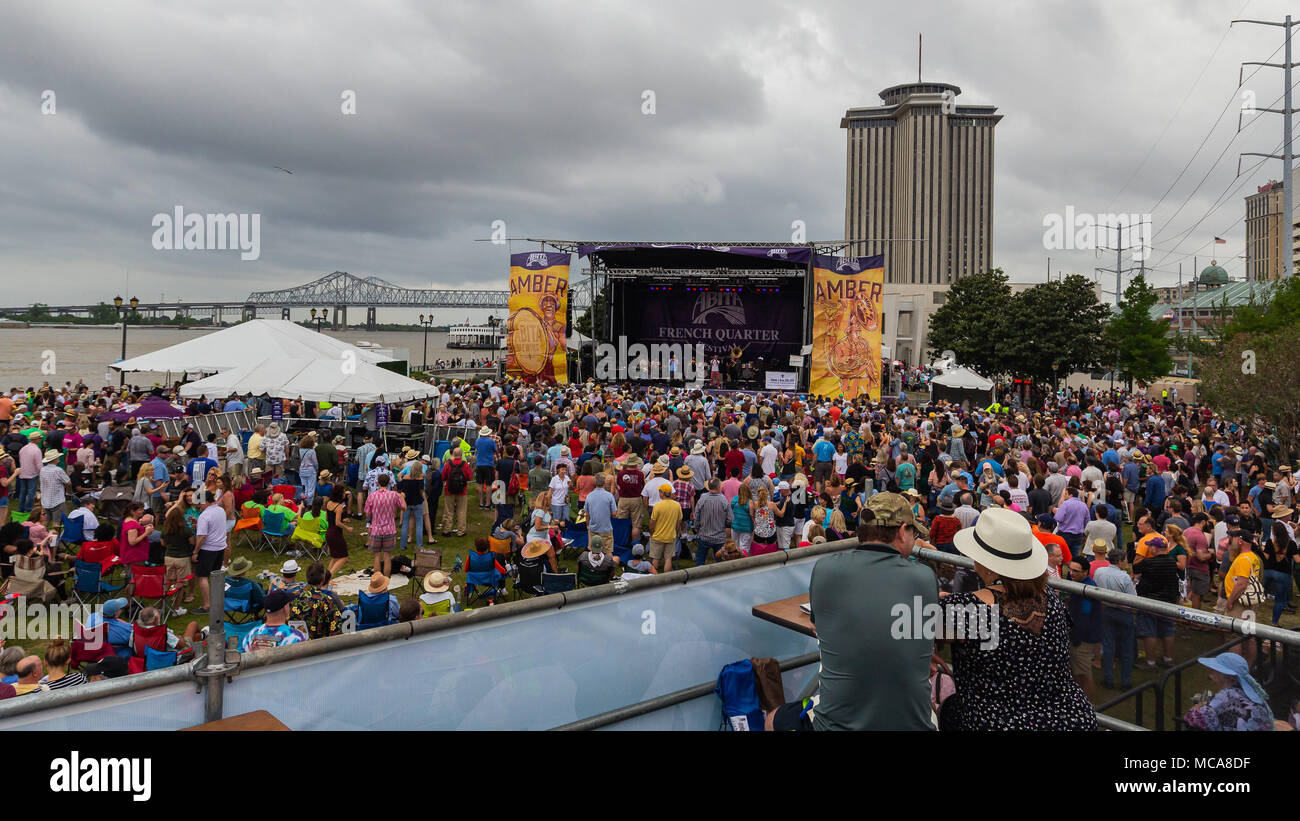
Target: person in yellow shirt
{"points": [[256, 459], [665, 527], [1246, 565]]}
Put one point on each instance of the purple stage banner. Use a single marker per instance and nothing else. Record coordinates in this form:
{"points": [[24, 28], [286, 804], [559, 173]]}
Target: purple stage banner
{"points": [[799, 254], [755, 324]]}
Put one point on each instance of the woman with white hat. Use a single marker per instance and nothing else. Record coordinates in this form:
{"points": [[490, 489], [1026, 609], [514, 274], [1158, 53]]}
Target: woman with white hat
{"points": [[1011, 648]]}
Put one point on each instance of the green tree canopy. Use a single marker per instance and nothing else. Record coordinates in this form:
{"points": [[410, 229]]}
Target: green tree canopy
{"points": [[1140, 343], [970, 322], [1055, 329]]}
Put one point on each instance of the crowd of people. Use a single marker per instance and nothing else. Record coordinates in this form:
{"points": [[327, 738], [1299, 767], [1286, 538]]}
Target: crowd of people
{"points": [[702, 476]]}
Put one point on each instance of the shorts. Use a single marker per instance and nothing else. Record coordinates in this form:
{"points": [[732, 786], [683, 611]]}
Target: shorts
{"points": [[209, 560], [1198, 582], [1081, 656], [658, 550], [794, 716], [485, 474], [386, 542], [177, 568], [632, 509], [604, 540], [823, 471], [1152, 626]]}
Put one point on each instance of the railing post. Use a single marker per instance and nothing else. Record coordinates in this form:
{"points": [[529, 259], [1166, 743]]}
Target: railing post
{"points": [[212, 707]]}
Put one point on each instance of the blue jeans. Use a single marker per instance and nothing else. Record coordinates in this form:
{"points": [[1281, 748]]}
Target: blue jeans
{"points": [[703, 549], [27, 493], [1279, 584], [413, 513], [1074, 541], [1118, 632], [560, 513], [308, 479]]}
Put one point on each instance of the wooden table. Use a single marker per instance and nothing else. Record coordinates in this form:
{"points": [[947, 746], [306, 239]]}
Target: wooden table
{"points": [[787, 614], [256, 721]]}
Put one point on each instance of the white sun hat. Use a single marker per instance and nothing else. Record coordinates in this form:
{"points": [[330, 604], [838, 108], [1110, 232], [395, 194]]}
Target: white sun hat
{"points": [[1003, 542]]}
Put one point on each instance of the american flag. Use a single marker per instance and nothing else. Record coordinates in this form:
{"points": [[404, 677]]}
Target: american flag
{"points": [[1220, 241]]}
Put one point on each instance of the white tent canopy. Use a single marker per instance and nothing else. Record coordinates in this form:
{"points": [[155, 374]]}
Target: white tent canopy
{"points": [[962, 378], [316, 380], [244, 344]]}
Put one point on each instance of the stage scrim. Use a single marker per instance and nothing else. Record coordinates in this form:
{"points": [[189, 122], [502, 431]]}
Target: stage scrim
{"points": [[847, 303], [537, 328]]}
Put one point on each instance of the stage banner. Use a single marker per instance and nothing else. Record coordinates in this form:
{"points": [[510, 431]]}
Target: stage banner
{"points": [[741, 323], [847, 304], [537, 329]]}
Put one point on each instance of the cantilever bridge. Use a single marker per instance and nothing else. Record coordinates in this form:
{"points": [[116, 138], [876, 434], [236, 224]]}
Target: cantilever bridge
{"points": [[338, 291]]}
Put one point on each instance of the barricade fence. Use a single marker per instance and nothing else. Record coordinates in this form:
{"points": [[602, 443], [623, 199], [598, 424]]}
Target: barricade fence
{"points": [[500, 667]]}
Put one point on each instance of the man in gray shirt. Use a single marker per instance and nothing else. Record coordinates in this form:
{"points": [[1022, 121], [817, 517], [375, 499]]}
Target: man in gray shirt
{"points": [[1118, 625], [712, 522], [698, 462], [874, 671], [139, 450], [1056, 482], [600, 506], [1099, 528]]}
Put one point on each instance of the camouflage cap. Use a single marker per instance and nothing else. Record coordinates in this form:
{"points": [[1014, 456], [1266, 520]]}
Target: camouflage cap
{"points": [[893, 510]]}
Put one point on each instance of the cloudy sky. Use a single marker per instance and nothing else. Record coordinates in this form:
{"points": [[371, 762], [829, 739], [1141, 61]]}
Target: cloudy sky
{"points": [[532, 113]]}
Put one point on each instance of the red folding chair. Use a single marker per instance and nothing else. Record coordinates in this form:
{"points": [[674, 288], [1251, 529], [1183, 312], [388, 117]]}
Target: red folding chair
{"points": [[144, 639], [289, 492], [102, 553], [149, 587]]}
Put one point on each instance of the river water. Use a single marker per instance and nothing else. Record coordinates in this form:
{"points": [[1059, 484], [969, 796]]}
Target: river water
{"points": [[30, 356]]}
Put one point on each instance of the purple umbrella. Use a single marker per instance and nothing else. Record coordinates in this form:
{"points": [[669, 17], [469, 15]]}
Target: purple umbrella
{"points": [[153, 407]]}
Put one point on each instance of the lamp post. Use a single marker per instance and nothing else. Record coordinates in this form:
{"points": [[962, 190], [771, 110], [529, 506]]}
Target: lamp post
{"points": [[424, 358], [123, 313], [324, 317]]}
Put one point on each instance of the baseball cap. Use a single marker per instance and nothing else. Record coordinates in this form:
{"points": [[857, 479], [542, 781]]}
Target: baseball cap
{"points": [[893, 510], [275, 601], [113, 606]]}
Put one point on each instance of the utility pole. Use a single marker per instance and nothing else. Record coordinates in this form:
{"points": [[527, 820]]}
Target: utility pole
{"points": [[1288, 224], [1119, 270]]}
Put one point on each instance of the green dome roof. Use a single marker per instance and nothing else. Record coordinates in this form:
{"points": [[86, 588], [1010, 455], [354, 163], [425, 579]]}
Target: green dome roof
{"points": [[1214, 275]]}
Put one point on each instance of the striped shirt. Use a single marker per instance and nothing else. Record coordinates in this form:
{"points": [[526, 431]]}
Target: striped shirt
{"points": [[70, 680], [381, 506]]}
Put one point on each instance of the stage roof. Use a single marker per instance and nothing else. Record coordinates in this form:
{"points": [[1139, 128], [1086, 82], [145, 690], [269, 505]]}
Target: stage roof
{"points": [[698, 255]]}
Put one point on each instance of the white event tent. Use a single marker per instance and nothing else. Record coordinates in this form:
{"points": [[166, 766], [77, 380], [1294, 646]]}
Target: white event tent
{"points": [[245, 344], [315, 380]]}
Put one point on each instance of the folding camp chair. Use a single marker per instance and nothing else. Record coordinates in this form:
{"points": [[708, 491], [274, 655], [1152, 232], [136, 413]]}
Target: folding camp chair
{"points": [[372, 610], [104, 554], [559, 582], [440, 608], [275, 531], [528, 583], [240, 606], [90, 583], [483, 571], [149, 587], [309, 537], [289, 492], [249, 527], [575, 536], [237, 631], [427, 560], [73, 532], [144, 640], [91, 644]]}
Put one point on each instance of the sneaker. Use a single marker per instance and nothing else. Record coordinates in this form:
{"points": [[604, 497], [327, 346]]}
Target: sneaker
{"points": [[200, 611], [1149, 664], [180, 611], [1166, 662]]}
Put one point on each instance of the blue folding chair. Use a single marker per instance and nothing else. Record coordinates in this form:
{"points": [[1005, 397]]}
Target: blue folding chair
{"points": [[576, 532], [158, 660], [559, 582], [73, 531], [90, 584], [240, 630], [276, 531], [482, 571], [240, 606], [622, 532], [371, 610]]}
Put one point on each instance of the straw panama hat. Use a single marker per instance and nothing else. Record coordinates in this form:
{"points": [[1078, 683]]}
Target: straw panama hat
{"points": [[535, 548], [437, 582], [1003, 542]]}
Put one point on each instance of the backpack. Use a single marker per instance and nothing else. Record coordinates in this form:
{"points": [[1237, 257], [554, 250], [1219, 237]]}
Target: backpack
{"points": [[740, 707], [456, 479], [764, 523]]}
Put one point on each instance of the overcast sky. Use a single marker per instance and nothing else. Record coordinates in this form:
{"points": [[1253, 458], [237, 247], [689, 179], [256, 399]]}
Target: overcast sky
{"points": [[531, 113]]}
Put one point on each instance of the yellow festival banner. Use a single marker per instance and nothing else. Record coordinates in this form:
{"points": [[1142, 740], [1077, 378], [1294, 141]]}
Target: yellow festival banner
{"points": [[537, 330], [847, 303]]}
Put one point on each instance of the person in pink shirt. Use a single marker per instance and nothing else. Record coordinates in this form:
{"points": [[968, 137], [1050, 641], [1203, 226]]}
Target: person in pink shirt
{"points": [[731, 486], [381, 509], [30, 459]]}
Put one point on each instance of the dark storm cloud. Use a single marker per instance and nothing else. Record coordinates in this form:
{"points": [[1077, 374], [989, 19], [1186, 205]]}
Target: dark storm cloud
{"points": [[531, 113]]}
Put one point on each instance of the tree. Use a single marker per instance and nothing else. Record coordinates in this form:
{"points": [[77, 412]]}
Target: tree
{"points": [[583, 323], [971, 320], [1140, 343], [1281, 309], [1056, 329], [103, 314], [1252, 380]]}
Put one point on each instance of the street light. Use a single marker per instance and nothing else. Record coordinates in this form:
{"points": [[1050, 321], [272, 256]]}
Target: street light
{"points": [[324, 317], [426, 324], [123, 313]]}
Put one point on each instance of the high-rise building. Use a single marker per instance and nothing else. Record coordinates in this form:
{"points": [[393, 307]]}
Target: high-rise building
{"points": [[920, 184], [919, 191], [1265, 245]]}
